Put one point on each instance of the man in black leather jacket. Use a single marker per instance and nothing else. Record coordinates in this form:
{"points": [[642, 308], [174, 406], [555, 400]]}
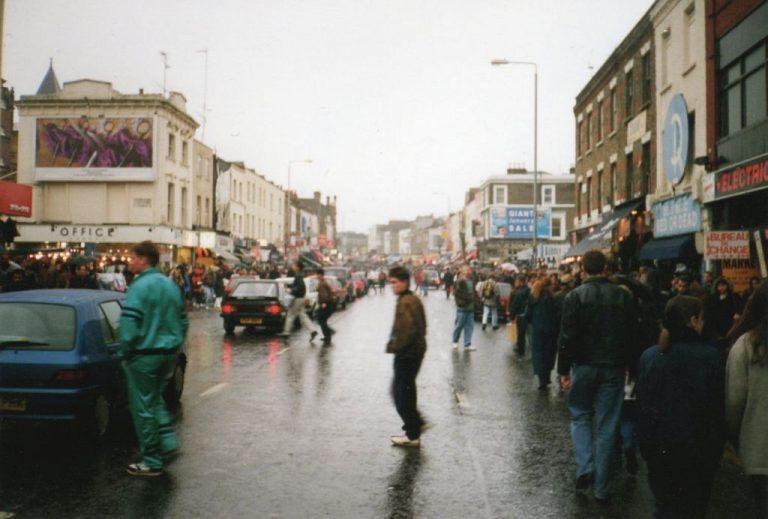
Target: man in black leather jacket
{"points": [[596, 340]]}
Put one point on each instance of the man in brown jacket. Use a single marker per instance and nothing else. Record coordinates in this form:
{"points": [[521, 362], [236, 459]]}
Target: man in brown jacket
{"points": [[326, 302], [408, 343]]}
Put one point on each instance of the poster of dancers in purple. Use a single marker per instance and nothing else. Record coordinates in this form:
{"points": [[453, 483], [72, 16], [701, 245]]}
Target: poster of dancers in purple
{"points": [[94, 142]]}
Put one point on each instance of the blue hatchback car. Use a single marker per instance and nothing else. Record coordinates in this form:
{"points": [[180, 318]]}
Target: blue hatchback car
{"points": [[59, 358]]}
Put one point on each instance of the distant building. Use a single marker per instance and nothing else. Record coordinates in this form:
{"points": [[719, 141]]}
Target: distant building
{"points": [[109, 169], [506, 225]]}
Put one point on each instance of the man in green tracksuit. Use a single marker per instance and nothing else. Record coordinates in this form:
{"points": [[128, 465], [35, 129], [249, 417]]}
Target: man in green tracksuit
{"points": [[152, 329]]}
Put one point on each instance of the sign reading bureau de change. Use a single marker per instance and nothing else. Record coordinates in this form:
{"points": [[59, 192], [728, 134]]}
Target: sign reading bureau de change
{"points": [[725, 245], [678, 215]]}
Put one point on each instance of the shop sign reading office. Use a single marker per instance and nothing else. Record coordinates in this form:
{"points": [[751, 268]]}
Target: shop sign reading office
{"points": [[725, 245], [679, 215], [82, 232]]}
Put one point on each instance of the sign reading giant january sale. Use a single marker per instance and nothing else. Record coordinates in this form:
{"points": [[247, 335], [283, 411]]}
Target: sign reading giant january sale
{"points": [[516, 222]]}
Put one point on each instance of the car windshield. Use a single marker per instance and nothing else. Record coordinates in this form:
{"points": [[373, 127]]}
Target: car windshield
{"points": [[255, 289], [37, 326], [430, 275]]}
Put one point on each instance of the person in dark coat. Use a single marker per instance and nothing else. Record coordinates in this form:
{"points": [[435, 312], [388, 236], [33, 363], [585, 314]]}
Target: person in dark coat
{"points": [[681, 411], [517, 306], [543, 314], [83, 279], [721, 310], [448, 283]]}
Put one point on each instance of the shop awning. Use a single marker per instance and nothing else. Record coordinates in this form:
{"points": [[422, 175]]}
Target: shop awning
{"points": [[675, 247], [601, 238], [228, 256]]}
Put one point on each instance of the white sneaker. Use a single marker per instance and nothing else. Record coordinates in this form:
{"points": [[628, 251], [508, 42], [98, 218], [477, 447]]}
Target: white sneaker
{"points": [[404, 441], [470, 348], [455, 345]]}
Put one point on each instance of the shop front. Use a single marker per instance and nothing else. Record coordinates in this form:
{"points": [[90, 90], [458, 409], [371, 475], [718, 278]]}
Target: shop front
{"points": [[737, 195], [110, 242], [619, 235], [676, 221]]}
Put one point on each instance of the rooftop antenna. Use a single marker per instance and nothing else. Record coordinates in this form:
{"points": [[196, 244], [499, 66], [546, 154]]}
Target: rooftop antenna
{"points": [[166, 66], [205, 93]]}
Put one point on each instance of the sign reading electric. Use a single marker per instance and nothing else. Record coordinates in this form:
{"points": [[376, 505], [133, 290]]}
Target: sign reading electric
{"points": [[746, 177]]}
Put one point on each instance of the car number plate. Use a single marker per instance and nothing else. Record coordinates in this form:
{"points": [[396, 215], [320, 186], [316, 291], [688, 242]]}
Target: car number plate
{"points": [[250, 320], [12, 403]]}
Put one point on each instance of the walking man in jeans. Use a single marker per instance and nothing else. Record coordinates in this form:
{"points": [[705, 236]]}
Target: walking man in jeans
{"points": [[298, 290], [598, 326], [153, 326], [408, 343], [464, 295]]}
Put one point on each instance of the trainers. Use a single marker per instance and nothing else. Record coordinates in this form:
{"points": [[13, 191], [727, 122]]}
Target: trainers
{"points": [[583, 482], [483, 327], [426, 426], [404, 441], [469, 347], [312, 336], [495, 328], [455, 345], [141, 469]]}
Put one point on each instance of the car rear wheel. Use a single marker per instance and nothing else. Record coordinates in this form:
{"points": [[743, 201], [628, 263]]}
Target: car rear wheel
{"points": [[175, 386], [96, 421], [229, 327]]}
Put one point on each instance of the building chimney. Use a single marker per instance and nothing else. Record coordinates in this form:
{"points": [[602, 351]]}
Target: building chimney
{"points": [[141, 91], [317, 196]]}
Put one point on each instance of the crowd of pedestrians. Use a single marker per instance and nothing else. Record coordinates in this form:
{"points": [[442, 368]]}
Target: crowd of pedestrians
{"points": [[667, 373]]}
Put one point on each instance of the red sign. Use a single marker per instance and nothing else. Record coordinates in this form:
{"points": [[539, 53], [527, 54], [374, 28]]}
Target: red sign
{"points": [[742, 179], [727, 245], [15, 199]]}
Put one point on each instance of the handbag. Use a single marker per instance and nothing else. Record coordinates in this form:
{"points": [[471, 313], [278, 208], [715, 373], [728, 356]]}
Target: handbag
{"points": [[512, 331]]}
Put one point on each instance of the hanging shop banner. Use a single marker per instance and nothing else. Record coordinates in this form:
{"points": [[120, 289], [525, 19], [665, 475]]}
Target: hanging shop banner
{"points": [[675, 139], [678, 215], [747, 176], [727, 245], [94, 148], [15, 199]]}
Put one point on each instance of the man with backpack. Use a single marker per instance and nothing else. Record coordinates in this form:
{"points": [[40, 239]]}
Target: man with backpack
{"points": [[489, 293]]}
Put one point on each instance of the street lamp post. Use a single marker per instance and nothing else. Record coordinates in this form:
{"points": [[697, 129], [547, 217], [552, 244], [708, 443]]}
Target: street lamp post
{"points": [[497, 62], [287, 219]]}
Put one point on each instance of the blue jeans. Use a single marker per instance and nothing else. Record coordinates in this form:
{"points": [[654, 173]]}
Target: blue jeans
{"points": [[597, 393], [465, 320], [494, 313]]}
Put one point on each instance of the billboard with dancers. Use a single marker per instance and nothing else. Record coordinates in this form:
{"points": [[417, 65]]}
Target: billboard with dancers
{"points": [[94, 148]]}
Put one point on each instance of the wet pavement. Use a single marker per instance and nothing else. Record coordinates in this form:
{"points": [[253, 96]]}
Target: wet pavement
{"points": [[285, 428]]}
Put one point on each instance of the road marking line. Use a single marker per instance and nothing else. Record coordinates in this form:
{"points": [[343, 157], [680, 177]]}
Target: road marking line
{"points": [[213, 390]]}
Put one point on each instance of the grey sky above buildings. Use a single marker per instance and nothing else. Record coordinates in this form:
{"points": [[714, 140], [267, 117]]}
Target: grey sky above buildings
{"points": [[395, 101]]}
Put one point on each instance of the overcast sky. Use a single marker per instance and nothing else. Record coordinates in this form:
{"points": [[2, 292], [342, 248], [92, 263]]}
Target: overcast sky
{"points": [[394, 101]]}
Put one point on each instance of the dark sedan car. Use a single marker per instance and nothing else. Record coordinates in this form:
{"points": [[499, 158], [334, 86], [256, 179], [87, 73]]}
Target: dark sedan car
{"points": [[59, 358], [257, 303]]}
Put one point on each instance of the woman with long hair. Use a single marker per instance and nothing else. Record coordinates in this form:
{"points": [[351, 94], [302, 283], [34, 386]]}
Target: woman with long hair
{"points": [[681, 427], [543, 314], [746, 389]]}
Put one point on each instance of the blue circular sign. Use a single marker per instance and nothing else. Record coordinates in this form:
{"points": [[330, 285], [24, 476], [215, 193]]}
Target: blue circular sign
{"points": [[675, 141]]}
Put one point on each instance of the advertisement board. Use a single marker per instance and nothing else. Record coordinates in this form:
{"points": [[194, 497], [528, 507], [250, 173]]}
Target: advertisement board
{"points": [[727, 245], [516, 222], [94, 149], [15, 199]]}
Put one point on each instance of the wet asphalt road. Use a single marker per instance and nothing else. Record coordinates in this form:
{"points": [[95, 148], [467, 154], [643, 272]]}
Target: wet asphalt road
{"points": [[285, 428]]}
